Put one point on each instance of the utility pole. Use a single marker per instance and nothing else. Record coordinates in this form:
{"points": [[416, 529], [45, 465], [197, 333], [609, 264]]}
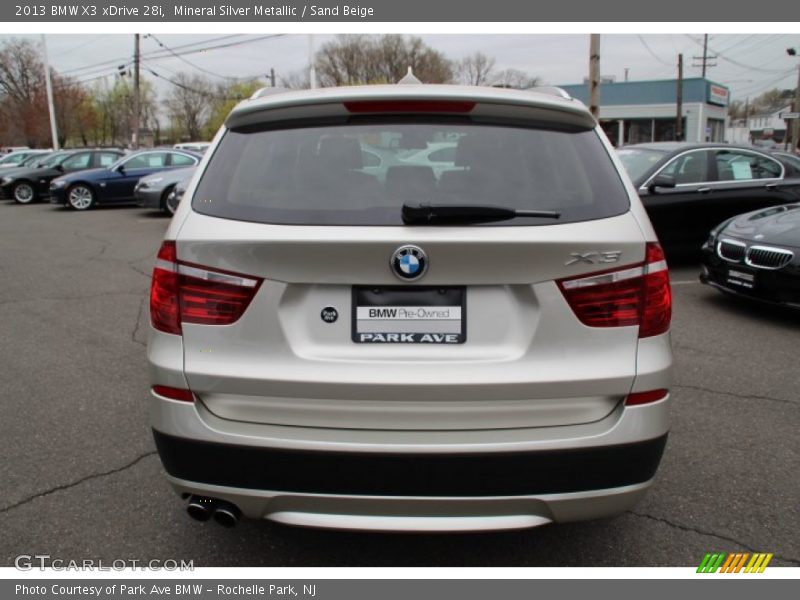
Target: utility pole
{"points": [[594, 74], [312, 71], [136, 97], [704, 60], [679, 116], [796, 108], [626, 74], [50, 104], [272, 77]]}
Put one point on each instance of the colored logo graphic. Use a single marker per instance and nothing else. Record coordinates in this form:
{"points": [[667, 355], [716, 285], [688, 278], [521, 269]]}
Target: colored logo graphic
{"points": [[409, 262], [738, 562]]}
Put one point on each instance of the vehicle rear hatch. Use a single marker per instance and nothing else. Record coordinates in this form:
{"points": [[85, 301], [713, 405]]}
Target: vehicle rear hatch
{"points": [[313, 208]]}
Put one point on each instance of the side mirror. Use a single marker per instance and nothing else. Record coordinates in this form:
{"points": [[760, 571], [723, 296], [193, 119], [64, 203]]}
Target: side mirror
{"points": [[661, 181], [120, 169], [60, 168]]}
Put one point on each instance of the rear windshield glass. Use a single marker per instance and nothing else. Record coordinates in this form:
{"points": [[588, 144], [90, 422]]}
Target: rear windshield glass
{"points": [[362, 174]]}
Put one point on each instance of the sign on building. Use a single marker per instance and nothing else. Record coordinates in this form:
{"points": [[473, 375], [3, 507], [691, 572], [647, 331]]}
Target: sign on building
{"points": [[718, 94]]}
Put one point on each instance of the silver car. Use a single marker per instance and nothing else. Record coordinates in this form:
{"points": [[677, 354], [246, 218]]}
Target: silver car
{"points": [[478, 348]]}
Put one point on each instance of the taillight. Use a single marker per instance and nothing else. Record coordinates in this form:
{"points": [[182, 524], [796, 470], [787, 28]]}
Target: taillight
{"points": [[409, 106], [187, 293], [635, 295]]}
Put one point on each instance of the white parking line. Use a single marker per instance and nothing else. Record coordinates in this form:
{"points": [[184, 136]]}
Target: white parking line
{"points": [[685, 282]]}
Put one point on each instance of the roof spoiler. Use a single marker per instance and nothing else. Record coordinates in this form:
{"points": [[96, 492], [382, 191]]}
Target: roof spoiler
{"points": [[551, 90], [268, 91]]}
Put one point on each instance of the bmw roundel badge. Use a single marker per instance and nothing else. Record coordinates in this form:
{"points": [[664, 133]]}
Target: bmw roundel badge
{"points": [[409, 262]]}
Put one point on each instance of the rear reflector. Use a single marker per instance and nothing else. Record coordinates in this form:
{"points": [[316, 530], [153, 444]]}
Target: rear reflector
{"points": [[174, 393], [634, 295], [645, 397], [409, 106], [188, 293]]}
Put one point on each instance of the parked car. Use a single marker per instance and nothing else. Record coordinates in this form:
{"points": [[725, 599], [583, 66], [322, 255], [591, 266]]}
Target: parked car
{"points": [[485, 350], [155, 191], [32, 162], [28, 184], [20, 158], [788, 157], [687, 189], [199, 147], [115, 183], [10, 149], [757, 256], [176, 195]]}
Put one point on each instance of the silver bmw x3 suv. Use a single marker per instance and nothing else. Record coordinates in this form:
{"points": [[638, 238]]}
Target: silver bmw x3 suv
{"points": [[410, 307]]}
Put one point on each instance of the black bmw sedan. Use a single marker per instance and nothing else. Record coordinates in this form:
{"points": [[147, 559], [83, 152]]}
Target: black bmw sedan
{"points": [[757, 255], [28, 184], [687, 189]]}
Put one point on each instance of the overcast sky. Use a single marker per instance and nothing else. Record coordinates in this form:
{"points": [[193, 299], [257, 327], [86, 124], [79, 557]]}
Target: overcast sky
{"points": [[748, 63]]}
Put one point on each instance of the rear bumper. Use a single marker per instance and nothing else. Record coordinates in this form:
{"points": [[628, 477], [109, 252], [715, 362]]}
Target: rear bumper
{"points": [[420, 514], [471, 475], [404, 481]]}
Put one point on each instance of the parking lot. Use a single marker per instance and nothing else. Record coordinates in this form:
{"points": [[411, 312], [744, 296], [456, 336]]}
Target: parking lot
{"points": [[80, 478]]}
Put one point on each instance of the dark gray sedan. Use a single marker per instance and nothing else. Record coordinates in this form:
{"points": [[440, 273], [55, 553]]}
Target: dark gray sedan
{"points": [[155, 191]]}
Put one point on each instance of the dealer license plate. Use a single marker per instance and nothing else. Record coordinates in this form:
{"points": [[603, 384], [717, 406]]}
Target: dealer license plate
{"points": [[406, 315], [741, 279]]}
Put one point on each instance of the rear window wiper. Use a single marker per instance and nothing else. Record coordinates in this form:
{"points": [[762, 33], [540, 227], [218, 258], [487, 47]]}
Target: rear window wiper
{"points": [[467, 213]]}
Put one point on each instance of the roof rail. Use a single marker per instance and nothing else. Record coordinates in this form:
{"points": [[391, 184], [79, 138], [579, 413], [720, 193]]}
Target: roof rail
{"points": [[551, 90]]}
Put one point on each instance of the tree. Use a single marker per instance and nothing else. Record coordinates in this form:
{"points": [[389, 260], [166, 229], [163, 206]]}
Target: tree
{"points": [[476, 69], [227, 97], [76, 114], [189, 105], [363, 59], [114, 110], [295, 80], [772, 100], [22, 94], [514, 78], [736, 109]]}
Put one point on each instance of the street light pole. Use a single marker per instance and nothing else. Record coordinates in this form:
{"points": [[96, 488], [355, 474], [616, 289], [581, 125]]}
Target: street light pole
{"points": [[137, 108], [50, 104], [594, 75], [796, 108]]}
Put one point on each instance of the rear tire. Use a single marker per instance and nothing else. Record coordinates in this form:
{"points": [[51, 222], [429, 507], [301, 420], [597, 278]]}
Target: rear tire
{"points": [[23, 193], [80, 197]]}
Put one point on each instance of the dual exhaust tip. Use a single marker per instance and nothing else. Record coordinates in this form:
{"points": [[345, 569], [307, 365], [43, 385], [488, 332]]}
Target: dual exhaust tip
{"points": [[201, 508]]}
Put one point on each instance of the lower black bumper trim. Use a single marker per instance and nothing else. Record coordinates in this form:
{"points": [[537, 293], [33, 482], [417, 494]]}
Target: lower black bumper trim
{"points": [[455, 475]]}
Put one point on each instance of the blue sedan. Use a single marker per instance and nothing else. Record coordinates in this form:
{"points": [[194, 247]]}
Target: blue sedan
{"points": [[115, 184]]}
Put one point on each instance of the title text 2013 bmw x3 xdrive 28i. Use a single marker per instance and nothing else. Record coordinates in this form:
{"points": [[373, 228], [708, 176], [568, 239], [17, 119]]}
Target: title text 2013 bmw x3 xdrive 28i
{"points": [[343, 337]]}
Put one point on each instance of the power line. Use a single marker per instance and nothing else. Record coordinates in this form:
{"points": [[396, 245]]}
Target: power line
{"points": [[732, 61], [153, 53], [191, 89], [196, 66], [191, 64], [653, 54], [750, 90]]}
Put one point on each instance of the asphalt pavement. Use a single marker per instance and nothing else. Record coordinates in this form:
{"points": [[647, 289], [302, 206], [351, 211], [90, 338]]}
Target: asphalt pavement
{"points": [[79, 477]]}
